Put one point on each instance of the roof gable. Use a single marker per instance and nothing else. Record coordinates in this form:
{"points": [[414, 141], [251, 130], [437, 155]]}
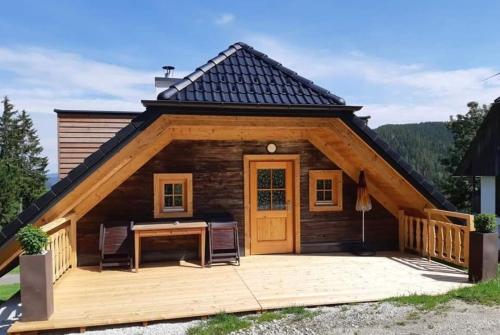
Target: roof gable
{"points": [[244, 75]]}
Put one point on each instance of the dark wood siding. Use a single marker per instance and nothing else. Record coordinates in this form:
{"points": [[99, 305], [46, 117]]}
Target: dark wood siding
{"points": [[217, 168], [79, 135]]}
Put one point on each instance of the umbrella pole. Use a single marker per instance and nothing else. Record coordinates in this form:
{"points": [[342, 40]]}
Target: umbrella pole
{"points": [[363, 226]]}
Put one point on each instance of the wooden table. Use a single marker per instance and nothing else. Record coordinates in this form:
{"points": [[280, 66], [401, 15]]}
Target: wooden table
{"points": [[150, 229]]}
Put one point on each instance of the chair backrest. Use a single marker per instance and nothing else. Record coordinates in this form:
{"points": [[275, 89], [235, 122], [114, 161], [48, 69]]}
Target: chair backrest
{"points": [[223, 235], [115, 239]]}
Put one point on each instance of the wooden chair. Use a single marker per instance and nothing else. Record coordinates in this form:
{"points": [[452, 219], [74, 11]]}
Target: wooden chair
{"points": [[115, 245], [223, 242]]}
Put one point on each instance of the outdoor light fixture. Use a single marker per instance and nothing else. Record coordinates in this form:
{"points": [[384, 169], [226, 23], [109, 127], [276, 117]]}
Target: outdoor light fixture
{"points": [[271, 148]]}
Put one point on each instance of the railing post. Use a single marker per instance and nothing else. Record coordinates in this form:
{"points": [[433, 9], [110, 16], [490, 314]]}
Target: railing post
{"points": [[72, 231], [401, 230]]}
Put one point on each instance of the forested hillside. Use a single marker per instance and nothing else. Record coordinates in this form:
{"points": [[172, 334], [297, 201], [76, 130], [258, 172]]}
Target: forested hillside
{"points": [[421, 144]]}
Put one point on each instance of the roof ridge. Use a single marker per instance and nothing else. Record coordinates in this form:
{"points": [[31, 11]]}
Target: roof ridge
{"points": [[233, 48]]}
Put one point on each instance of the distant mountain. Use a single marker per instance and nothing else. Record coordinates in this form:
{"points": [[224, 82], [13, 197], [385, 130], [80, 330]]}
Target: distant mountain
{"points": [[52, 178], [421, 144]]}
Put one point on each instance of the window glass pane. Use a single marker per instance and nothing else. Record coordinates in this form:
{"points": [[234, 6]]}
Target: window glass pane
{"points": [[263, 178], [169, 201], [278, 178], [279, 201], [178, 188], [178, 201], [328, 184], [328, 195], [320, 184], [168, 189], [320, 196], [263, 200]]}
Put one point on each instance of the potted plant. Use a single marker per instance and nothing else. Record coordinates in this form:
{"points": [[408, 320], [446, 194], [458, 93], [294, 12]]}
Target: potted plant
{"points": [[483, 250], [36, 276]]}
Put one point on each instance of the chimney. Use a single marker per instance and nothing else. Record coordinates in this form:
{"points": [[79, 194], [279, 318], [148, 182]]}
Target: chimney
{"points": [[365, 119], [162, 83], [169, 70]]}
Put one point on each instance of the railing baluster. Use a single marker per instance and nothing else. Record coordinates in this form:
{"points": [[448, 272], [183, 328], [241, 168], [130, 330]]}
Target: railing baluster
{"points": [[449, 246], [425, 237], [411, 234], [417, 235], [456, 244]]}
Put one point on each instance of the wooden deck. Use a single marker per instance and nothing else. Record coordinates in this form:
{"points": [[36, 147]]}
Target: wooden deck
{"points": [[85, 298]]}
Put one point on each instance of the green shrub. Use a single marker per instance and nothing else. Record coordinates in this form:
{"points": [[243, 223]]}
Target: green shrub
{"points": [[485, 223], [33, 240]]}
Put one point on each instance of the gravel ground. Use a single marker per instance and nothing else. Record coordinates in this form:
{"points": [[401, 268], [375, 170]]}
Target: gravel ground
{"points": [[370, 318]]}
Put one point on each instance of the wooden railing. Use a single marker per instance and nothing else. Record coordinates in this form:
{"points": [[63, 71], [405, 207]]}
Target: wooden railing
{"points": [[60, 243], [437, 238]]}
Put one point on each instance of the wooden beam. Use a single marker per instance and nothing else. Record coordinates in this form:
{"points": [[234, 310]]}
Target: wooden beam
{"points": [[242, 133], [54, 224], [367, 158], [318, 139]]}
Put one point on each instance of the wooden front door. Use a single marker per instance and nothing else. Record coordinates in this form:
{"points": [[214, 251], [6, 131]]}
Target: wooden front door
{"points": [[271, 207]]}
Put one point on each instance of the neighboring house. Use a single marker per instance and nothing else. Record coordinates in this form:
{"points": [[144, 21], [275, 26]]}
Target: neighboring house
{"points": [[243, 135], [482, 159]]}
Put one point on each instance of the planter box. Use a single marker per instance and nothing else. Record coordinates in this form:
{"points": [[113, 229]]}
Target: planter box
{"points": [[483, 256], [37, 296]]}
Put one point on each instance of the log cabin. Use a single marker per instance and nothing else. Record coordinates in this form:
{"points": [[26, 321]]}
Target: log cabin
{"points": [[245, 138], [242, 135]]}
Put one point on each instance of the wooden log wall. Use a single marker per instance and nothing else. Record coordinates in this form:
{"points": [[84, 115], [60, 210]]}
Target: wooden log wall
{"points": [[79, 135], [217, 168]]}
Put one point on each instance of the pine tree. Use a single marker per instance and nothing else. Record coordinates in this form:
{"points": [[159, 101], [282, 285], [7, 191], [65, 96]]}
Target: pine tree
{"points": [[10, 195], [9, 134], [22, 165], [33, 164], [463, 128]]}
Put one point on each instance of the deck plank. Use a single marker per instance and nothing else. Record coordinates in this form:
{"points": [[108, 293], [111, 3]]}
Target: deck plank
{"points": [[85, 297]]}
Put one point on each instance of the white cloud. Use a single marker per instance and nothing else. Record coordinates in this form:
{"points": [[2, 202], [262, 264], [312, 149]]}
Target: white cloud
{"points": [[390, 91], [224, 18], [40, 80]]}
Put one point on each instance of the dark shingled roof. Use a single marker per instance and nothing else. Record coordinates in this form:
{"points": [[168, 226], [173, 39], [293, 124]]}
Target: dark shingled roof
{"points": [[482, 158], [143, 120], [244, 75]]}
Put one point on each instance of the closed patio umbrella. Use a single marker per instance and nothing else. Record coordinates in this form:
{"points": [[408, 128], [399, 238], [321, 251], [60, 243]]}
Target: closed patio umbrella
{"points": [[363, 204]]}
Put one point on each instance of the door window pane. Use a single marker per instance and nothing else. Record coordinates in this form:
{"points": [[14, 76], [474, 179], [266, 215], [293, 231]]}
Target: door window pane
{"points": [[264, 178], [278, 176], [278, 200], [263, 200]]}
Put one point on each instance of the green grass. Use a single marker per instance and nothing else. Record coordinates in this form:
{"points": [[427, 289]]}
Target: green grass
{"points": [[485, 293], [299, 313], [220, 324], [268, 317], [7, 291]]}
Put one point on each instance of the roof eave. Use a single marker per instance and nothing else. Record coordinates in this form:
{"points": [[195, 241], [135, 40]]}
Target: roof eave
{"points": [[222, 108]]}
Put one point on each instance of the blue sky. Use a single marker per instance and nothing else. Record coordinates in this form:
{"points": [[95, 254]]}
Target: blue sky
{"points": [[405, 61]]}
